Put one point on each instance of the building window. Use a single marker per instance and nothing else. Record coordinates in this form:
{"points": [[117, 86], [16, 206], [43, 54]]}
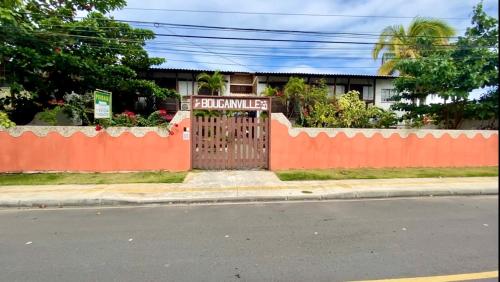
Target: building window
{"points": [[367, 93], [339, 90], [185, 88], [247, 89], [387, 95], [205, 91]]}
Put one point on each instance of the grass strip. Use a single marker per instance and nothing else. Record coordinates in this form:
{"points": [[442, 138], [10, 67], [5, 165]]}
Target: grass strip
{"points": [[90, 178], [381, 173]]}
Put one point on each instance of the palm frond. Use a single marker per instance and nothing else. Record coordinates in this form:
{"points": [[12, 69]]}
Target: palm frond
{"points": [[387, 68], [385, 40], [437, 30]]}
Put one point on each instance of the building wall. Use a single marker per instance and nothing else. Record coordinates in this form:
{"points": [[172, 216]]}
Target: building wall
{"points": [[53, 148], [186, 87], [320, 148]]}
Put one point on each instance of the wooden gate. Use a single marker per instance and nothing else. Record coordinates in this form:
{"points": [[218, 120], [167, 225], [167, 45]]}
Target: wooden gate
{"points": [[230, 143]]}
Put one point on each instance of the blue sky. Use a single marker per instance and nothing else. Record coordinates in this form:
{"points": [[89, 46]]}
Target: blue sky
{"points": [[281, 56]]}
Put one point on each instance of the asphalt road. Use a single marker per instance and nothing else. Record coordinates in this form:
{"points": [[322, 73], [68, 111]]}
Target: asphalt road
{"points": [[309, 241]]}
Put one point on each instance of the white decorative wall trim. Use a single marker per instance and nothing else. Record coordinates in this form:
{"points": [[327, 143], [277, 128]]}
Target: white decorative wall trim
{"points": [[90, 131], [180, 116], [369, 132]]}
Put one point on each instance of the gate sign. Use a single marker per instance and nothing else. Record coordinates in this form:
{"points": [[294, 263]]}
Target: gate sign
{"points": [[231, 103], [102, 104]]}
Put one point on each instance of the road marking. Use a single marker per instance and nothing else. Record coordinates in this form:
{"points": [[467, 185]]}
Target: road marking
{"points": [[443, 278]]}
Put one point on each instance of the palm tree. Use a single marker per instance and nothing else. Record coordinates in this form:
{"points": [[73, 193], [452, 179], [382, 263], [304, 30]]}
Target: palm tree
{"points": [[395, 42], [214, 83]]}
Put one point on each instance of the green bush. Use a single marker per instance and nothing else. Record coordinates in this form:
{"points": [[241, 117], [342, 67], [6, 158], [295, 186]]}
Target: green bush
{"points": [[80, 107], [322, 115], [353, 111], [127, 119], [157, 118], [5, 122], [384, 118], [348, 111], [50, 115]]}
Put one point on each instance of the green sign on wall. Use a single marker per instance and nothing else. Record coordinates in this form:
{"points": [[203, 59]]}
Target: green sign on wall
{"points": [[102, 104]]}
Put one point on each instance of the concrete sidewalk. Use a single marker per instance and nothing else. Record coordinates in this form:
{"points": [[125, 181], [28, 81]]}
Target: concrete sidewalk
{"points": [[238, 187]]}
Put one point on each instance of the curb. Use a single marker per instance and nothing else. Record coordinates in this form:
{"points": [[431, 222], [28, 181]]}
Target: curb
{"points": [[341, 195]]}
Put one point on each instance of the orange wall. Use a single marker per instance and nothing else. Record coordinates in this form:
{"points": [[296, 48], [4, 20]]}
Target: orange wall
{"points": [[103, 152], [340, 151], [126, 152]]}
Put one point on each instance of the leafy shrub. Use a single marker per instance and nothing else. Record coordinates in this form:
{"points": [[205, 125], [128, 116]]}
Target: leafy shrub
{"points": [[157, 118], [80, 107], [353, 111], [271, 92], [322, 115], [129, 119], [50, 115], [348, 111], [383, 118], [300, 97], [5, 122]]}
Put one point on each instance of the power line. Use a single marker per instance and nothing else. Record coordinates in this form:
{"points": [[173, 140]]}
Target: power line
{"points": [[264, 30], [245, 65], [265, 55], [247, 39], [286, 31], [241, 46], [223, 57], [273, 66], [284, 56], [221, 54], [281, 13]]}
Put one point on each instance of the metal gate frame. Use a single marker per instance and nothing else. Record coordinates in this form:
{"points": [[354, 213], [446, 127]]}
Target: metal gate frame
{"points": [[269, 111]]}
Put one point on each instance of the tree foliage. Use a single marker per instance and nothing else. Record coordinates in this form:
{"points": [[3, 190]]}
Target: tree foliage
{"points": [[46, 51], [451, 73]]}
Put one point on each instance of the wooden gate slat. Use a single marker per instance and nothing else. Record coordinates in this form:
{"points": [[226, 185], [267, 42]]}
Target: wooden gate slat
{"points": [[249, 143], [241, 143], [213, 159], [257, 143], [245, 143], [220, 142], [220, 156], [237, 146], [214, 142], [243, 158], [203, 143], [230, 143], [254, 142]]}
